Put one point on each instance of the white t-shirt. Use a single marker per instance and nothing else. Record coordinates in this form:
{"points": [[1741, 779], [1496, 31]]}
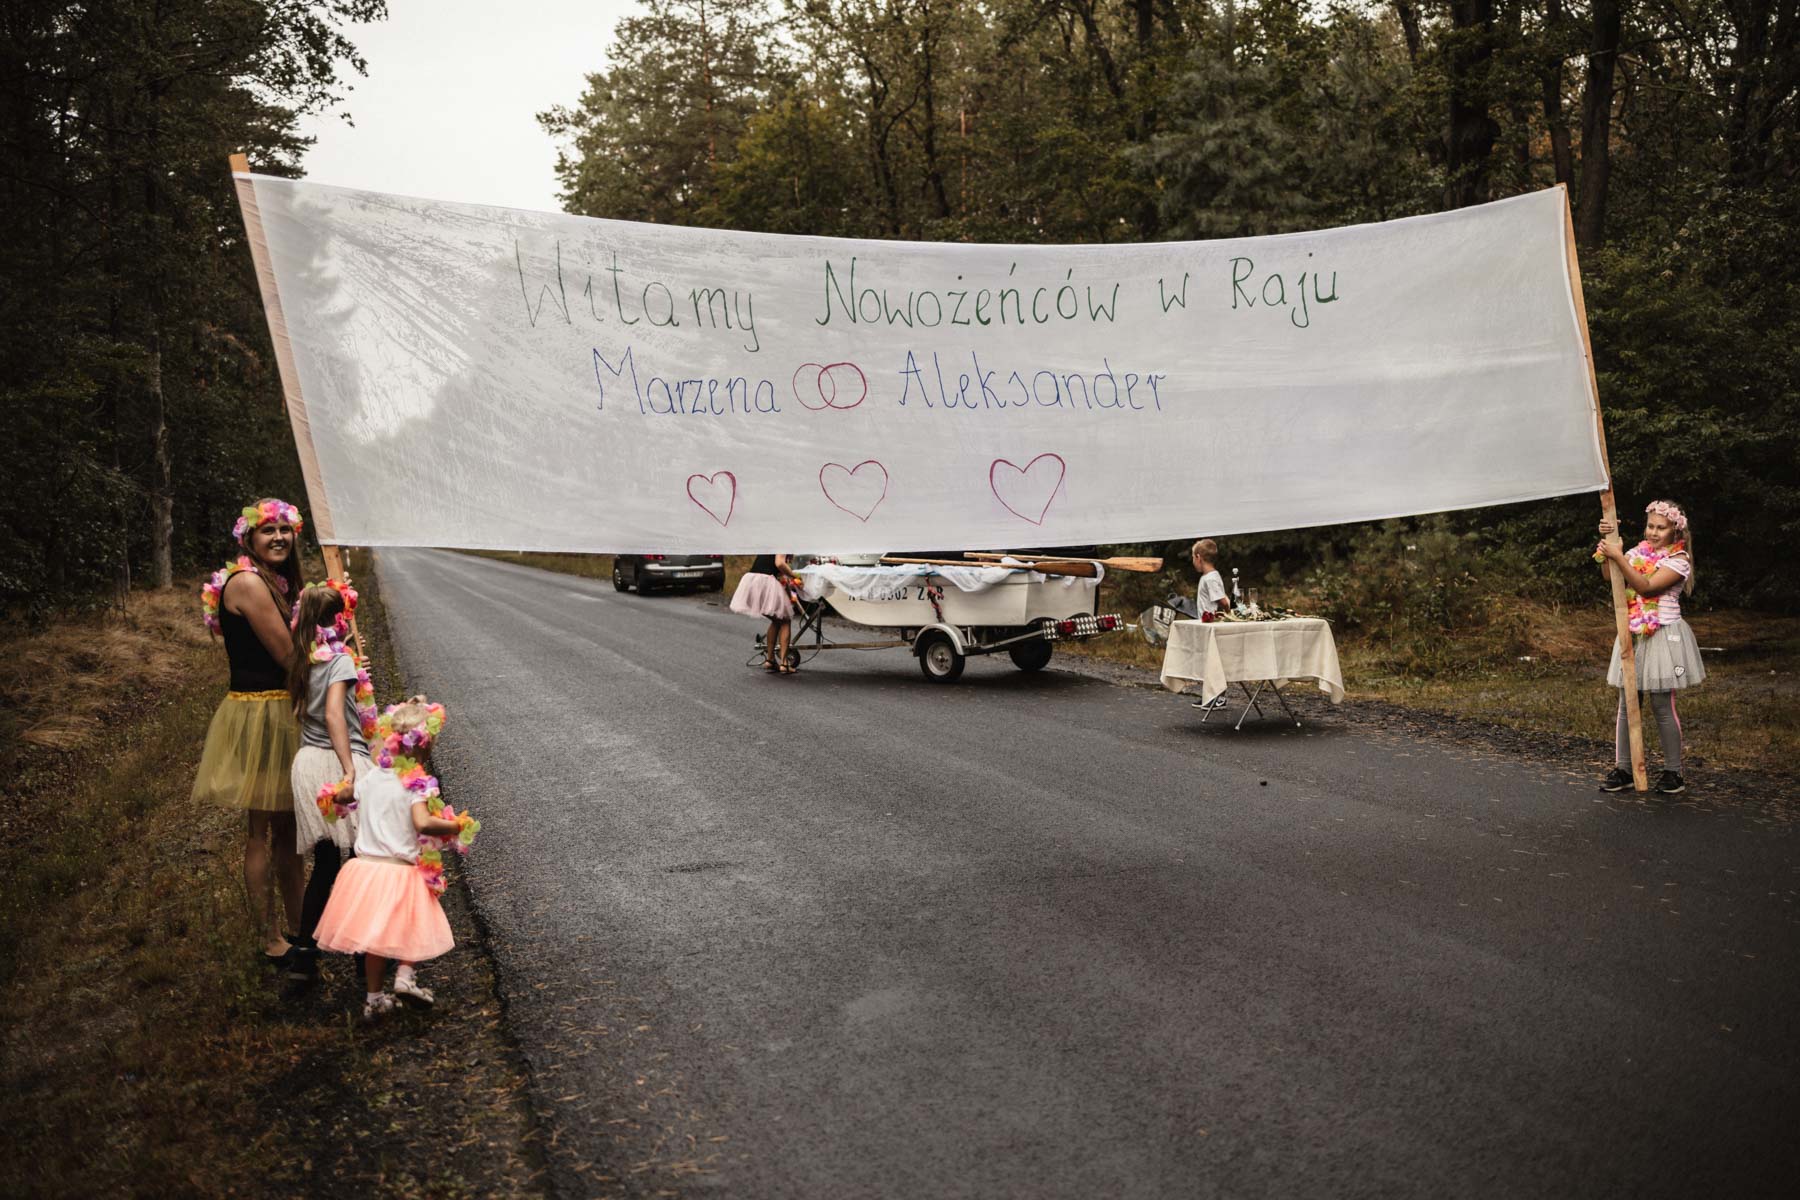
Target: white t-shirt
{"points": [[1212, 590], [384, 824]]}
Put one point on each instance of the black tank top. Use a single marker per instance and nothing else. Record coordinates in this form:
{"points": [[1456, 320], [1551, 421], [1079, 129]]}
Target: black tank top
{"points": [[764, 565], [253, 668]]}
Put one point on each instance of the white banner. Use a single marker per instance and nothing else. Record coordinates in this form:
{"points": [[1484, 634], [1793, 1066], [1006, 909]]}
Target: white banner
{"points": [[480, 377]]}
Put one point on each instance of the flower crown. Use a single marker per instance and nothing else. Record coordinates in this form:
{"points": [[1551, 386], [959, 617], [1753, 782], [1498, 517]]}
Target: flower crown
{"points": [[1669, 511], [413, 742], [268, 510]]}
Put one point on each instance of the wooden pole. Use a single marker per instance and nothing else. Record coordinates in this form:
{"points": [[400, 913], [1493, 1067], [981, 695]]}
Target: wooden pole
{"points": [[334, 567], [1609, 509], [317, 504]]}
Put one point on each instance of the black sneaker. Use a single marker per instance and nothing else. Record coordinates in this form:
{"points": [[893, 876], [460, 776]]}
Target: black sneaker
{"points": [[1617, 780], [1670, 783]]}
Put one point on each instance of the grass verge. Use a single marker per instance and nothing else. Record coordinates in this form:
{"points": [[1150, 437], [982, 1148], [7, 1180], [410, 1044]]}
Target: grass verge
{"points": [[146, 1050]]}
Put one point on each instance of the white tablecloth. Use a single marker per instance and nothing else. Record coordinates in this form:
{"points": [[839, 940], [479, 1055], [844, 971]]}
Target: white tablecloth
{"points": [[1217, 653]]}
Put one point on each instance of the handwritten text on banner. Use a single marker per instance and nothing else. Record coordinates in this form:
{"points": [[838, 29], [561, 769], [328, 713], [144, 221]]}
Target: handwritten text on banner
{"points": [[487, 377]]}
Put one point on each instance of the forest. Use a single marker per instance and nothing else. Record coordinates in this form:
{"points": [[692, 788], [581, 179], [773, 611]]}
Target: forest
{"points": [[140, 390]]}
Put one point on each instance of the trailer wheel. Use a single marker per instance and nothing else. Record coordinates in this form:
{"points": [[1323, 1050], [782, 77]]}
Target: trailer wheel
{"points": [[939, 658], [1031, 656]]}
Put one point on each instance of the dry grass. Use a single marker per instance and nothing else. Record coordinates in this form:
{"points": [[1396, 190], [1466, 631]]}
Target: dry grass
{"points": [[1746, 716], [57, 685], [143, 1048]]}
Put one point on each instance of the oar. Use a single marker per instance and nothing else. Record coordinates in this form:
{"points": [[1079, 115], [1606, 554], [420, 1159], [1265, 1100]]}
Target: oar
{"points": [[1146, 565], [1079, 569]]}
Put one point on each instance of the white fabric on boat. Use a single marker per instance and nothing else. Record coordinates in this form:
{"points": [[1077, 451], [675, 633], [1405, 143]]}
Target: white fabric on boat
{"points": [[873, 583]]}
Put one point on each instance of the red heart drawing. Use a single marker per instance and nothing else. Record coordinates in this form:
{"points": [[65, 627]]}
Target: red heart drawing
{"points": [[820, 391], [714, 492], [859, 497], [1030, 487]]}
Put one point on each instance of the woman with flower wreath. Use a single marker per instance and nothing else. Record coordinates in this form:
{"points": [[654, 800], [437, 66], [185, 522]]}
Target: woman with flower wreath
{"points": [[253, 736], [335, 704], [1658, 571]]}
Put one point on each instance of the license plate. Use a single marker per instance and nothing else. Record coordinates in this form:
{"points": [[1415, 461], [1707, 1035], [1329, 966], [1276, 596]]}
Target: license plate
{"points": [[689, 574]]}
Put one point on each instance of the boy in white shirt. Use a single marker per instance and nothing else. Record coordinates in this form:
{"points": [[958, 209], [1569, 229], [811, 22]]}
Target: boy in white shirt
{"points": [[1211, 597]]}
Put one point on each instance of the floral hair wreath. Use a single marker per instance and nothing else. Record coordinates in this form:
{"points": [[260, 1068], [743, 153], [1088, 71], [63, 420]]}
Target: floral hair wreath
{"points": [[413, 742], [269, 510], [1668, 510]]}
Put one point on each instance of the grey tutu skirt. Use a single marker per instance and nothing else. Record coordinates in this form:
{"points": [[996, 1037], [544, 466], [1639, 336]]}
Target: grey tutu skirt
{"points": [[1667, 659]]}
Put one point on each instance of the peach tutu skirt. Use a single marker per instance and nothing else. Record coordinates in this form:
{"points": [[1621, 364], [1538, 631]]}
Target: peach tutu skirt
{"points": [[382, 906], [761, 596]]}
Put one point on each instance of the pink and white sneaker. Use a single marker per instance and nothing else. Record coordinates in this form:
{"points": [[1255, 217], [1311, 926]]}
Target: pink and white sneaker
{"points": [[413, 992]]}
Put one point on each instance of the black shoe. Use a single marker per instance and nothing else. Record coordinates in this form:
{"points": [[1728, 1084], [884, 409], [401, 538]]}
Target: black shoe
{"points": [[303, 964], [1617, 780], [1670, 783]]}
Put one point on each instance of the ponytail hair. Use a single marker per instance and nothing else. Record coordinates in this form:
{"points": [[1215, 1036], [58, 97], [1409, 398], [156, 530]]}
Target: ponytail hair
{"points": [[317, 606]]}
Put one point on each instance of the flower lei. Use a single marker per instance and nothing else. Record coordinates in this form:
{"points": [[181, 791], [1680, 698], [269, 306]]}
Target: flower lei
{"points": [[1640, 610], [212, 592], [269, 510], [397, 754]]}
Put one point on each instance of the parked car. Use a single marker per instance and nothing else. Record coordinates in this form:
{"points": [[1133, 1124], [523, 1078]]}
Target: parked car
{"points": [[646, 573]]}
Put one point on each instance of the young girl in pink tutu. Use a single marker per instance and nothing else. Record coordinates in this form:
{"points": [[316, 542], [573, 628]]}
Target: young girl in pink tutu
{"points": [[384, 905], [764, 592]]}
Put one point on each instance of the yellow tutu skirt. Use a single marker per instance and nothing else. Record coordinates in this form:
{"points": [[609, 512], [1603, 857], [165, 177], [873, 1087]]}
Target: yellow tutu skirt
{"points": [[249, 748]]}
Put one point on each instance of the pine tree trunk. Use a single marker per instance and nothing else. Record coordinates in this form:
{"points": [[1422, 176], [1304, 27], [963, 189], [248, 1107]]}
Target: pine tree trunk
{"points": [[934, 170], [1596, 125], [162, 492], [1550, 74], [1472, 131], [162, 496]]}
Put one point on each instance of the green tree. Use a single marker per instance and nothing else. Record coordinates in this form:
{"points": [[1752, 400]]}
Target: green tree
{"points": [[133, 360]]}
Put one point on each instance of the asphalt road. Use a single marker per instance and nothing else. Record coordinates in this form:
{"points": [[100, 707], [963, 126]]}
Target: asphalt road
{"points": [[855, 934]]}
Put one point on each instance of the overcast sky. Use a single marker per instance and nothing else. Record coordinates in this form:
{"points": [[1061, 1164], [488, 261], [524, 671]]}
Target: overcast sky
{"points": [[448, 109]]}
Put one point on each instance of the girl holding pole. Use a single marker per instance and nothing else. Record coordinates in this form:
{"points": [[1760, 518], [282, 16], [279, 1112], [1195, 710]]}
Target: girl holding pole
{"points": [[1657, 572]]}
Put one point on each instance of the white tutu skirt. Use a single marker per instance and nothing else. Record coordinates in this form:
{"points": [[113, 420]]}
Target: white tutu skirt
{"points": [[1667, 659], [761, 596], [313, 769]]}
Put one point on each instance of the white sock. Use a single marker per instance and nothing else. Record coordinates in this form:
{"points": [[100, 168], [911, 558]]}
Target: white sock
{"points": [[370, 997], [403, 974]]}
